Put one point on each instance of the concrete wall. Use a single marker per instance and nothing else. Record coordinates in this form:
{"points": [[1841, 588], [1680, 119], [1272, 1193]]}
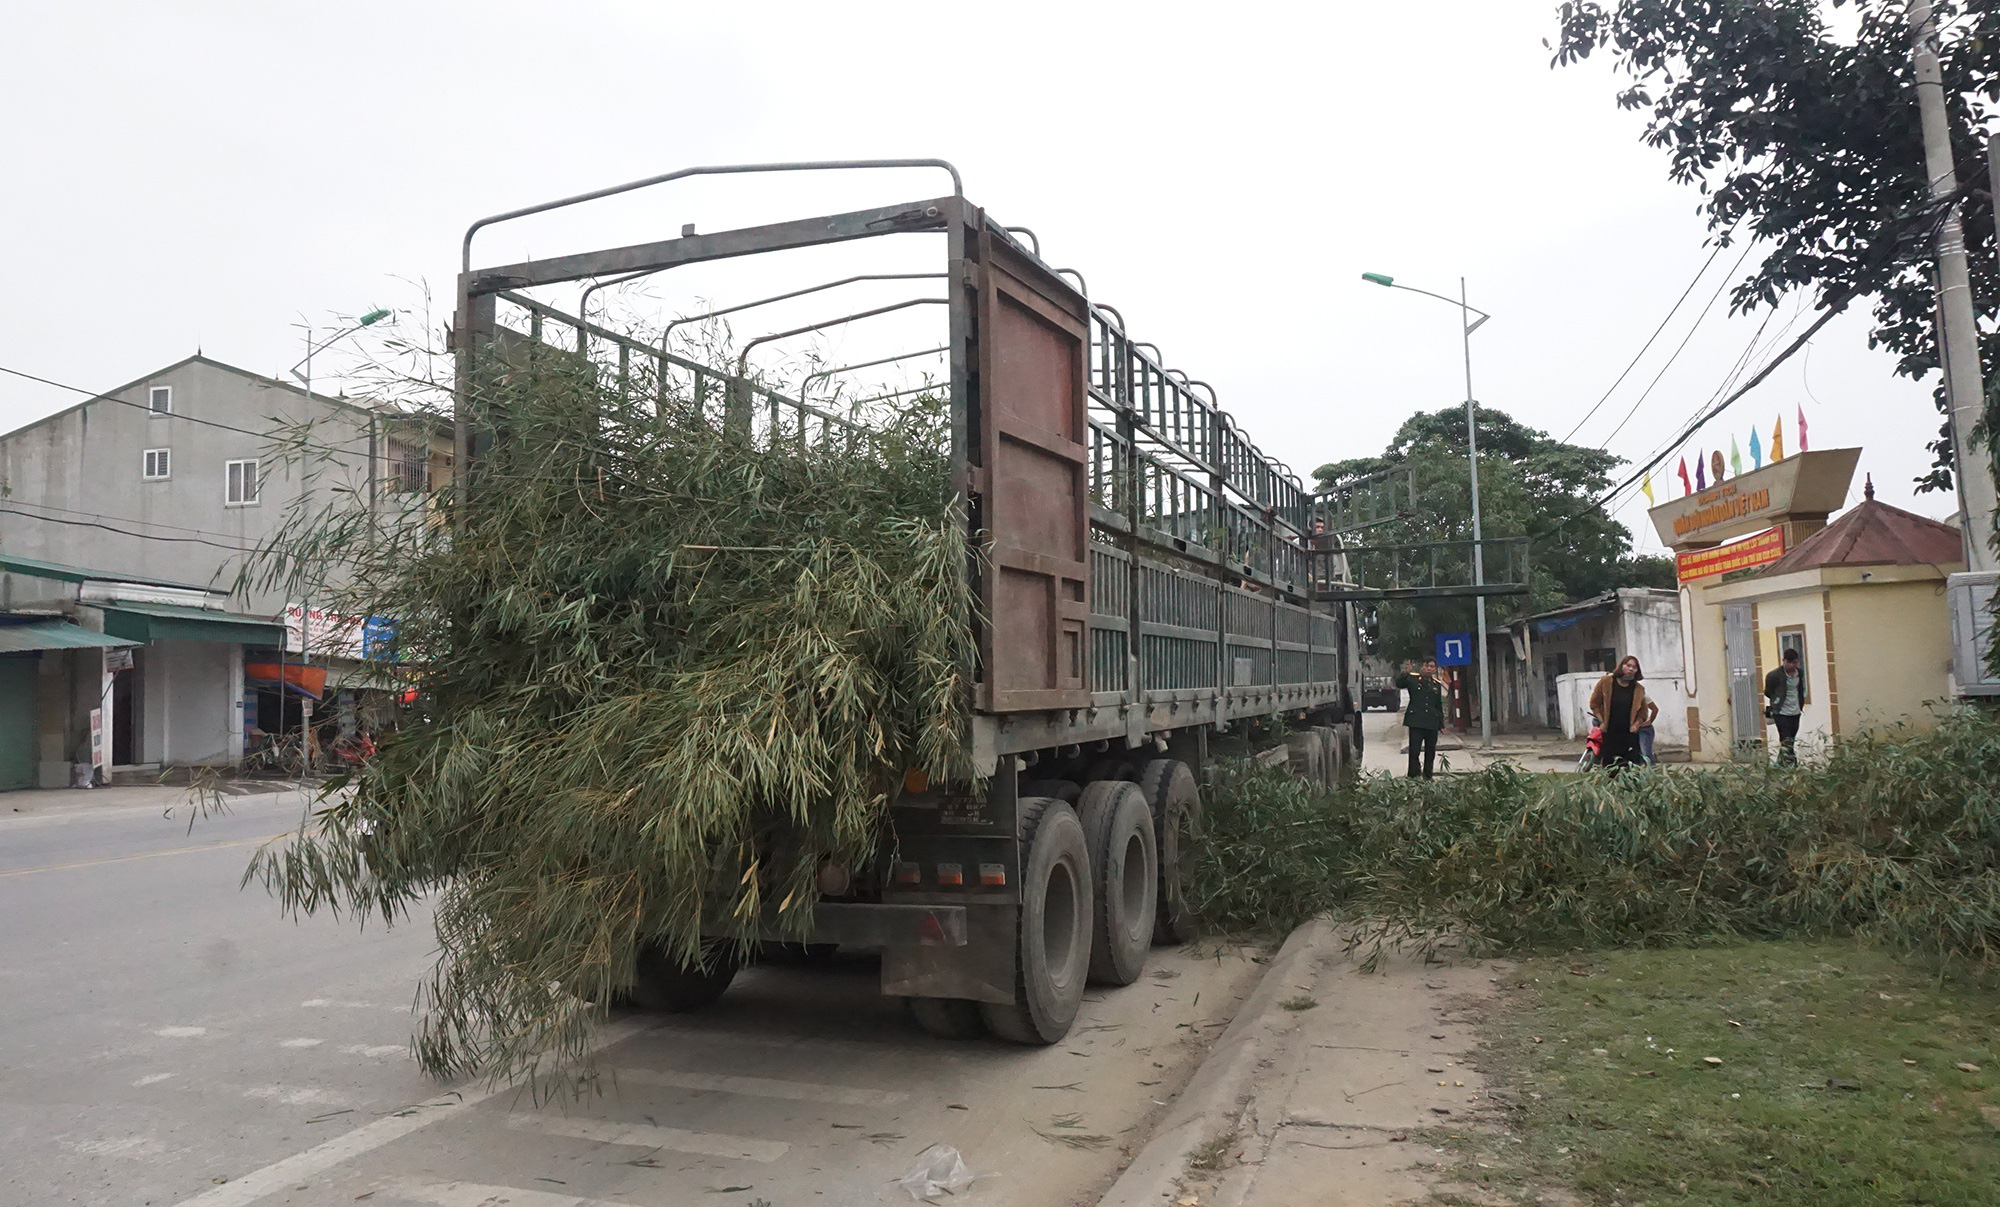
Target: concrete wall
{"points": [[86, 464], [1705, 677], [1803, 610], [1892, 653]]}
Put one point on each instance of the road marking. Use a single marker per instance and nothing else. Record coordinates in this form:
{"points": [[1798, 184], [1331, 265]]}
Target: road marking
{"points": [[378, 1051], [299, 1166], [645, 1135], [301, 1042], [763, 1087], [91, 863], [180, 1032], [322, 1002], [473, 1194], [152, 1078]]}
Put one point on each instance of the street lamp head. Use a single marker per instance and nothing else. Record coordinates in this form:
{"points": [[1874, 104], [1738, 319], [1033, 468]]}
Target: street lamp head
{"points": [[375, 316], [1378, 278]]}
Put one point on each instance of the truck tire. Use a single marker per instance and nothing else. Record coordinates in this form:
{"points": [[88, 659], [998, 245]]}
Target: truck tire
{"points": [[661, 983], [948, 1017], [1109, 768], [1052, 945], [1170, 791], [1350, 759], [1124, 862], [1066, 791], [1357, 744]]}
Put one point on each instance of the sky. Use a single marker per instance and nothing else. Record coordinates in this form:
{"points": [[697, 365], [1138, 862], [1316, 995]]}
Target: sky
{"points": [[212, 175]]}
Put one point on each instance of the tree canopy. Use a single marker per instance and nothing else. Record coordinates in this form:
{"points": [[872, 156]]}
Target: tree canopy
{"points": [[1528, 482], [1808, 139]]}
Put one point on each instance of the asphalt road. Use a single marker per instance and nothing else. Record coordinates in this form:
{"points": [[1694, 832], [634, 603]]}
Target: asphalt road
{"points": [[167, 1039]]}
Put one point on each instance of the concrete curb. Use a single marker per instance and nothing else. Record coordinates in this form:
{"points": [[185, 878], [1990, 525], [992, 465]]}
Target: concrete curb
{"points": [[1222, 1092]]}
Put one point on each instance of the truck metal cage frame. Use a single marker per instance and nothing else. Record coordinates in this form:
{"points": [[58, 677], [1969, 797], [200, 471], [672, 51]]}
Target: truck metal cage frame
{"points": [[1142, 566]]}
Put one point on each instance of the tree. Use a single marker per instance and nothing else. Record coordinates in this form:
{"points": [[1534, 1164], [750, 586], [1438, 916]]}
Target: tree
{"points": [[1811, 143], [1528, 482]]}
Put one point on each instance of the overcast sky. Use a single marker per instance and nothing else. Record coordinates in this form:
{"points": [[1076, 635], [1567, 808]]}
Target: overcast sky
{"points": [[204, 174]]}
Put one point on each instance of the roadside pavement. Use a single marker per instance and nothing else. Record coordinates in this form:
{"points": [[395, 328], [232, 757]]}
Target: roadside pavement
{"points": [[1386, 743], [1330, 1088]]}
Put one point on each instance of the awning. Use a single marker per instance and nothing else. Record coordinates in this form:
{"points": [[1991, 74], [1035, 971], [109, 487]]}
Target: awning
{"points": [[147, 622], [53, 635]]}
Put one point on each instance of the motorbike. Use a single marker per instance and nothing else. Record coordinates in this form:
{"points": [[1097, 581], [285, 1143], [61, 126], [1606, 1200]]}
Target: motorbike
{"points": [[1593, 749]]}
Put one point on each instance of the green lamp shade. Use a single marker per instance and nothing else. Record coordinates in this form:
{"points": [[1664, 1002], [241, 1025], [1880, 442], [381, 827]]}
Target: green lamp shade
{"points": [[1379, 278], [374, 316]]}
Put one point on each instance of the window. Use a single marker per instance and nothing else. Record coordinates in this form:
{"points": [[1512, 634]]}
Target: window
{"points": [[159, 463], [160, 400], [242, 488], [408, 472], [1605, 660], [1794, 638]]}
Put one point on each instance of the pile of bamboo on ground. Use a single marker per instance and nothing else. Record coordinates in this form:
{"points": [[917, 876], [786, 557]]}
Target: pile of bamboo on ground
{"points": [[664, 670]]}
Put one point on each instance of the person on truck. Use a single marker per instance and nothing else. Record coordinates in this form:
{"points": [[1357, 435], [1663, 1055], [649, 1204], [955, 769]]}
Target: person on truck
{"points": [[1424, 715], [1619, 704]]}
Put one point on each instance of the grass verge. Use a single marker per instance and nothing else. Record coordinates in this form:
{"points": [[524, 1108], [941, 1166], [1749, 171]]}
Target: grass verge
{"points": [[1844, 1078]]}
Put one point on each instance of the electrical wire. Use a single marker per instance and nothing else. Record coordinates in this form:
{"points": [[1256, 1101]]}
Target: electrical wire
{"points": [[1640, 354], [94, 396], [144, 536], [1698, 319]]}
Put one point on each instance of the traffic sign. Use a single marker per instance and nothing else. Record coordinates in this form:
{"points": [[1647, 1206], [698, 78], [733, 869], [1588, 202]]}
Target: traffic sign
{"points": [[1454, 649]]}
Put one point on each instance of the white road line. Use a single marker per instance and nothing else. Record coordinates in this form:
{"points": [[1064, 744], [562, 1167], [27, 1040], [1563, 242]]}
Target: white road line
{"points": [[473, 1194], [180, 1032], [378, 1051], [762, 1087], [152, 1078], [300, 1166], [645, 1135], [296, 1097], [300, 1042]]}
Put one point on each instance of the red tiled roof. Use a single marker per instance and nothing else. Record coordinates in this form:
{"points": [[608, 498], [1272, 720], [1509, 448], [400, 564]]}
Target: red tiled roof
{"points": [[1875, 534]]}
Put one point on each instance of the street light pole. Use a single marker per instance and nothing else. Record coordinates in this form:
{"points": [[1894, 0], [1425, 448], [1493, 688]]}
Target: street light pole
{"points": [[1467, 325], [1478, 538]]}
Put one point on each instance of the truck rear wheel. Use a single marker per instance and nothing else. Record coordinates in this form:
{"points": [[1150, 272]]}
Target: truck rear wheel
{"points": [[1052, 947], [948, 1017], [661, 983], [1109, 768], [1063, 790], [1124, 862], [1170, 790]]}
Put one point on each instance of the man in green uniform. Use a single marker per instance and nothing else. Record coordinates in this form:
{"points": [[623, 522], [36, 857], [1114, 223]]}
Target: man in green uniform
{"points": [[1424, 715]]}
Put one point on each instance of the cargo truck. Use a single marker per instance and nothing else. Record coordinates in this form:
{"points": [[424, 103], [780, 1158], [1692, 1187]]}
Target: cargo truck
{"points": [[1150, 584]]}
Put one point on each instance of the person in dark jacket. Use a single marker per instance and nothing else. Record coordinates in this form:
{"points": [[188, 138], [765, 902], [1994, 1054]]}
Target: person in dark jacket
{"points": [[1424, 715], [1620, 706], [1784, 700]]}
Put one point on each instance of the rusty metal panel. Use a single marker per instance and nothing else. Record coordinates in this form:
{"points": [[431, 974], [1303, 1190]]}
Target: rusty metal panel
{"points": [[1033, 338]]}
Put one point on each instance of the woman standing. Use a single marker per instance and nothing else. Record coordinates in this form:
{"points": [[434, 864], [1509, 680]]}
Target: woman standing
{"points": [[1619, 704]]}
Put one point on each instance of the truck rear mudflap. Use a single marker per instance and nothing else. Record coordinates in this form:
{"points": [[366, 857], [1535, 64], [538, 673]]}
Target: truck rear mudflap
{"points": [[869, 925]]}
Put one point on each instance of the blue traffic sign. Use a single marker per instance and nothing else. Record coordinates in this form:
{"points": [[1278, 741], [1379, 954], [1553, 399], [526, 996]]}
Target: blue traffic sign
{"points": [[1454, 649]]}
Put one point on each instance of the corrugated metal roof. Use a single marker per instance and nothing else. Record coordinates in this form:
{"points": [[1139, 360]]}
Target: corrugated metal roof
{"points": [[1872, 533], [36, 568], [53, 635], [150, 620]]}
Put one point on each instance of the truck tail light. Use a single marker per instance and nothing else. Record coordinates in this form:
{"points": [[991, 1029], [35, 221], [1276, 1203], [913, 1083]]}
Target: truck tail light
{"points": [[992, 875], [951, 874]]}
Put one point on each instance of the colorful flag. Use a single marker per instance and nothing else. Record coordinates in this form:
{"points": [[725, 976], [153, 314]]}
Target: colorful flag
{"points": [[1802, 429], [1756, 451], [1778, 441], [1646, 488], [1735, 459], [1687, 487], [1700, 472]]}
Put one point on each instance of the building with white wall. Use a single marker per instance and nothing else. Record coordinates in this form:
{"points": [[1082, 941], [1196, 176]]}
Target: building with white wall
{"points": [[154, 495], [1550, 661]]}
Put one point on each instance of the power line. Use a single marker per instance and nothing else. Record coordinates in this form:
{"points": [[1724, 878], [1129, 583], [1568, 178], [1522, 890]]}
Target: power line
{"points": [[1712, 298], [182, 540], [1637, 356], [122, 519], [94, 396]]}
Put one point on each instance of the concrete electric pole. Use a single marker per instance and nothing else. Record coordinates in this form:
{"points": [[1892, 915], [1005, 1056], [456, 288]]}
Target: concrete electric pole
{"points": [[1958, 334]]}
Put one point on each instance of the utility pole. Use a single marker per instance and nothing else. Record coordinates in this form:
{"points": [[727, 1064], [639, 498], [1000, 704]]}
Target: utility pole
{"points": [[1478, 541], [1958, 332]]}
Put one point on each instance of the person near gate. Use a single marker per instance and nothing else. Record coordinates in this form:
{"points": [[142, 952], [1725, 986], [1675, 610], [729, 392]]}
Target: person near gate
{"points": [[1424, 715], [1619, 705], [1784, 700]]}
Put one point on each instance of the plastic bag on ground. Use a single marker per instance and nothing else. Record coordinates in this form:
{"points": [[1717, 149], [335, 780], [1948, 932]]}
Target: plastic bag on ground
{"points": [[939, 1170]]}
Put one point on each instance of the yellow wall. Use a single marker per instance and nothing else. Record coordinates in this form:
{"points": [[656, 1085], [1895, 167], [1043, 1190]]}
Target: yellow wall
{"points": [[1892, 645], [1805, 610], [1702, 634]]}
